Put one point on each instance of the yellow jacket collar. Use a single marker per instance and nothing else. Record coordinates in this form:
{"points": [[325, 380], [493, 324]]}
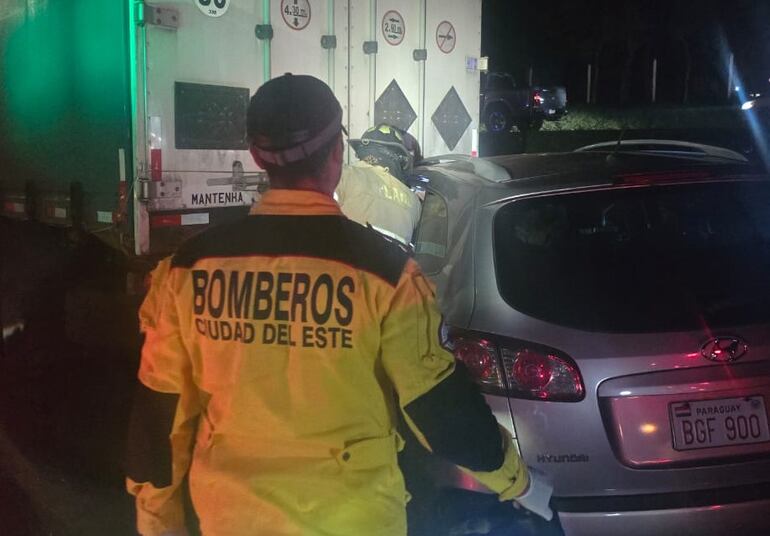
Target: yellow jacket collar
{"points": [[296, 203]]}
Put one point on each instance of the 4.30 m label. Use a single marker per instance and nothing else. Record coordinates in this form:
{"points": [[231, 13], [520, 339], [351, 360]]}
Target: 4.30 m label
{"points": [[296, 13]]}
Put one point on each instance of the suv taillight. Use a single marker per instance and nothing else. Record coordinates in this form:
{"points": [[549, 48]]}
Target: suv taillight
{"points": [[480, 358], [518, 368], [537, 98]]}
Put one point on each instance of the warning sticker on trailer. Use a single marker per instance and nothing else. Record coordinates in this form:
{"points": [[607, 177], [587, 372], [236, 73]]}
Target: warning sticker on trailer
{"points": [[213, 8], [296, 13], [446, 37], [393, 28]]}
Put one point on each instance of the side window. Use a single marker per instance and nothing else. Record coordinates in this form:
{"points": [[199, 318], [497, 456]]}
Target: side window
{"points": [[430, 245]]}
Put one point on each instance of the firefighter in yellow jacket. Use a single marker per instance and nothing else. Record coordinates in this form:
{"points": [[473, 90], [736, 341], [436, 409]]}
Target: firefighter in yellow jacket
{"points": [[278, 350], [373, 191]]}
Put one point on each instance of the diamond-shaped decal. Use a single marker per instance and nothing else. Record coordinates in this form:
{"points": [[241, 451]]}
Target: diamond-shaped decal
{"points": [[393, 108], [451, 119]]}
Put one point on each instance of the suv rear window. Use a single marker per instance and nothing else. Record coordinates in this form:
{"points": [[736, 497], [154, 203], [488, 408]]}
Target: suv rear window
{"points": [[634, 260]]}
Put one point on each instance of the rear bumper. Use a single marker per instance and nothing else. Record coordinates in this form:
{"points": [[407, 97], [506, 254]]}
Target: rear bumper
{"points": [[721, 511], [740, 518], [462, 509], [714, 511], [665, 501]]}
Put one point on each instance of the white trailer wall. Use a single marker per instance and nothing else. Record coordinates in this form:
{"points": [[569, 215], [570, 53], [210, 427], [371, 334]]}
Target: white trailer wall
{"points": [[407, 90], [456, 69], [407, 62]]}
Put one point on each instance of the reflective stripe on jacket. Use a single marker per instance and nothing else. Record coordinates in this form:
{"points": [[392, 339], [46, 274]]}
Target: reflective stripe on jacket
{"points": [[369, 195], [283, 346]]}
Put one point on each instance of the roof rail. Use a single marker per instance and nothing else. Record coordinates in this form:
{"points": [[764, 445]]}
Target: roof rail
{"points": [[481, 167], [666, 147]]}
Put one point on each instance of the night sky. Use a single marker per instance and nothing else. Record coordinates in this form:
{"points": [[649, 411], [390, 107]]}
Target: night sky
{"points": [[690, 38]]}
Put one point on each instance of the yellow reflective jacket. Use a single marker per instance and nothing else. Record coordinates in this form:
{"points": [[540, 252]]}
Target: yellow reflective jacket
{"points": [[369, 195], [278, 351]]}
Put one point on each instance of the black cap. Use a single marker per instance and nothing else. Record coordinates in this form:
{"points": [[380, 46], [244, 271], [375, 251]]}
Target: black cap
{"points": [[291, 117]]}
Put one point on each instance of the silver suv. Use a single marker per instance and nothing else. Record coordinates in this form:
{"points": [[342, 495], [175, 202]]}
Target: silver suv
{"points": [[614, 307]]}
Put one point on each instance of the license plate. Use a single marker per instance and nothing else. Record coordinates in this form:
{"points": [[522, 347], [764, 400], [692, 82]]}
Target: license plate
{"points": [[701, 424], [551, 111]]}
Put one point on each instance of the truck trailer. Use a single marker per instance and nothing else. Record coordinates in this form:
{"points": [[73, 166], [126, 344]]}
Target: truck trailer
{"points": [[125, 119]]}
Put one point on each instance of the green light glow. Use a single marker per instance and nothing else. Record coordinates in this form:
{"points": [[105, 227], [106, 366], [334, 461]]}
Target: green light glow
{"points": [[64, 68], [98, 57], [36, 68], [132, 58], [266, 44]]}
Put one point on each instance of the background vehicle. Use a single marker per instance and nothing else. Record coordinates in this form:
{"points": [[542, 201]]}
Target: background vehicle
{"points": [[504, 104], [615, 309], [759, 105]]}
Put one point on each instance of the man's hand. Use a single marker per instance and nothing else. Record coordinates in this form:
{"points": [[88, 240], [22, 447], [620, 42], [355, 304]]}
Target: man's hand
{"points": [[537, 496]]}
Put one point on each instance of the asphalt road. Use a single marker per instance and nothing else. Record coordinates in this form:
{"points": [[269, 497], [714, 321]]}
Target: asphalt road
{"points": [[63, 406]]}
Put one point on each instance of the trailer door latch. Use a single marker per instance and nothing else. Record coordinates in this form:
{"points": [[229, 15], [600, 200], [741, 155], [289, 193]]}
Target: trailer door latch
{"points": [[370, 47], [164, 17], [264, 32], [328, 41], [165, 189]]}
